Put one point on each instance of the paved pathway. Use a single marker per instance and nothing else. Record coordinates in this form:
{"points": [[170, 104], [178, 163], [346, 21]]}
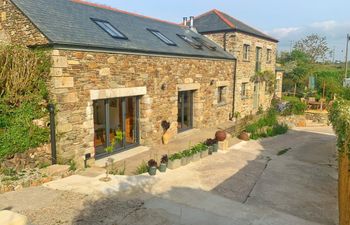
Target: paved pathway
{"points": [[250, 184]]}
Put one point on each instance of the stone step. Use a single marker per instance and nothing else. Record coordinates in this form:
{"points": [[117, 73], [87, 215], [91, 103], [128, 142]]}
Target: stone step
{"points": [[193, 206]]}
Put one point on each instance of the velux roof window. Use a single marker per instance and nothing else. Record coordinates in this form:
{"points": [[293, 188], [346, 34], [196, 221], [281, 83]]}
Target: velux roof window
{"points": [[111, 30], [193, 43], [162, 37], [205, 43]]}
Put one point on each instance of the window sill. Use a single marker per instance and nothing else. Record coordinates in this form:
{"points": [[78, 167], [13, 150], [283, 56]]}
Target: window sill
{"points": [[221, 104], [245, 60]]}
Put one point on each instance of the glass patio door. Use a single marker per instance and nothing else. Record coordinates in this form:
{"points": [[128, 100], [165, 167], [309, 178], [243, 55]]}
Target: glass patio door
{"points": [[256, 95], [116, 119], [185, 111]]}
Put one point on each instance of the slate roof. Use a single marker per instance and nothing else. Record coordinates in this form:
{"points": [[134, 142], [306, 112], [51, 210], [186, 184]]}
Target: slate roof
{"points": [[217, 21], [68, 23]]}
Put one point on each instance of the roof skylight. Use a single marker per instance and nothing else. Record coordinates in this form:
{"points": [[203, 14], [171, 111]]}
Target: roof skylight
{"points": [[205, 43], [162, 37], [109, 28], [190, 41]]}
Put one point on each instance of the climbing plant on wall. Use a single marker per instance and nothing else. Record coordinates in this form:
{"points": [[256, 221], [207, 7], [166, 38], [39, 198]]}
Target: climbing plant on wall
{"points": [[23, 98]]}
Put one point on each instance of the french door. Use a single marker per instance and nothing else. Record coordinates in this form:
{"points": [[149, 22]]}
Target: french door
{"points": [[116, 121], [185, 111]]}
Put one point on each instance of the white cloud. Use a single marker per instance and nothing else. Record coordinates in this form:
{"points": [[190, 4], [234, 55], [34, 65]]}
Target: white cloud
{"points": [[334, 31], [325, 25], [283, 32]]}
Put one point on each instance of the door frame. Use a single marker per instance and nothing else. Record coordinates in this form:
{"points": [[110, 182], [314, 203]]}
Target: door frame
{"points": [[107, 127], [191, 95]]}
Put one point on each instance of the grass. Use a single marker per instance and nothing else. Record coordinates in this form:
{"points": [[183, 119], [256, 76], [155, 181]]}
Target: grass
{"points": [[284, 151], [142, 168]]}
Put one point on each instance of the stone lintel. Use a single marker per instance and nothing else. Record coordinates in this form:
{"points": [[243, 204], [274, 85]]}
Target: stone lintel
{"points": [[222, 83], [117, 93], [188, 87]]}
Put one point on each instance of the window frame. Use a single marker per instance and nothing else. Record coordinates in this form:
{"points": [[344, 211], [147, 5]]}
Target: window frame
{"points": [[191, 42], [244, 91], [205, 43], [221, 98], [247, 53], [269, 55], [162, 37], [120, 35]]}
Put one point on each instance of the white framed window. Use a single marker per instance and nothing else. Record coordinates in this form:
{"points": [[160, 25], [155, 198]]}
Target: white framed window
{"points": [[244, 90], [246, 52], [269, 55]]}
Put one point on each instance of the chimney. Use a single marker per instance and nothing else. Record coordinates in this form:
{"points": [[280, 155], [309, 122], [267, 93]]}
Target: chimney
{"points": [[184, 21], [191, 21]]}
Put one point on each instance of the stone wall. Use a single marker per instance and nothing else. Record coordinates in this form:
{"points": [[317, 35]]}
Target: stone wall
{"points": [[246, 68], [32, 158], [79, 77], [15, 28]]}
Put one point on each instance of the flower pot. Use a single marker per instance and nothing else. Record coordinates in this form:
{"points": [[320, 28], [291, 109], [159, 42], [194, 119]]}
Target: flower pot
{"points": [[220, 135], [204, 153], [244, 136], [152, 170], [185, 161], [196, 157], [162, 167], [215, 147], [174, 164], [210, 150]]}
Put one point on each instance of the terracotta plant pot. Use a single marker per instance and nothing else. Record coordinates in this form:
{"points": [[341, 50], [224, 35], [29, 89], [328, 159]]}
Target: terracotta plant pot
{"points": [[244, 136], [220, 135]]}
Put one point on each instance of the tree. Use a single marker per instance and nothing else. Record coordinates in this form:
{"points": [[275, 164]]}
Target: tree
{"points": [[314, 46], [297, 66]]}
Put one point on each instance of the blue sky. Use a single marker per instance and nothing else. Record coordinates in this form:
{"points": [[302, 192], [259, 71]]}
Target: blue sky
{"points": [[287, 20]]}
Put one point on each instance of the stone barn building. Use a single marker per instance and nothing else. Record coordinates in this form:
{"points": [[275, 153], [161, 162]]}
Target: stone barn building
{"points": [[119, 73], [255, 52]]}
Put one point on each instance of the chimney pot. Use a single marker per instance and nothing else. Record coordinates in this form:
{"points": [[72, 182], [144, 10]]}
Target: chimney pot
{"points": [[184, 21], [191, 21]]}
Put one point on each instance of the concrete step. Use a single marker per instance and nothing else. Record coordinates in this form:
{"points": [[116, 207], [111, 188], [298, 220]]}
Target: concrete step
{"points": [[193, 206]]}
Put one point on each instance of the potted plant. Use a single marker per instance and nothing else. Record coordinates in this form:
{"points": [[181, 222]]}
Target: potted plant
{"points": [[174, 161], [163, 163], [204, 150], [212, 144], [196, 152], [186, 157], [152, 167]]}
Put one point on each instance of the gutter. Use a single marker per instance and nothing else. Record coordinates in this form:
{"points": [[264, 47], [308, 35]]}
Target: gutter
{"points": [[135, 51], [234, 90]]}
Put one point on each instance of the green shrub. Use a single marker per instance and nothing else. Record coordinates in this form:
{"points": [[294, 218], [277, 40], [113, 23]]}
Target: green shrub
{"points": [[142, 168], [267, 126], [294, 106], [23, 98]]}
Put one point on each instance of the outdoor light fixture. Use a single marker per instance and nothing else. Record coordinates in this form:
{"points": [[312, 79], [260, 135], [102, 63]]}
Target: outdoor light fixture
{"points": [[163, 87]]}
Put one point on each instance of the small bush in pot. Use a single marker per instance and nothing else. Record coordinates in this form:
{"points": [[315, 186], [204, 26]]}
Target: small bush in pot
{"points": [[163, 163], [213, 145], [186, 157], [204, 150], [196, 152], [174, 161], [152, 167]]}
